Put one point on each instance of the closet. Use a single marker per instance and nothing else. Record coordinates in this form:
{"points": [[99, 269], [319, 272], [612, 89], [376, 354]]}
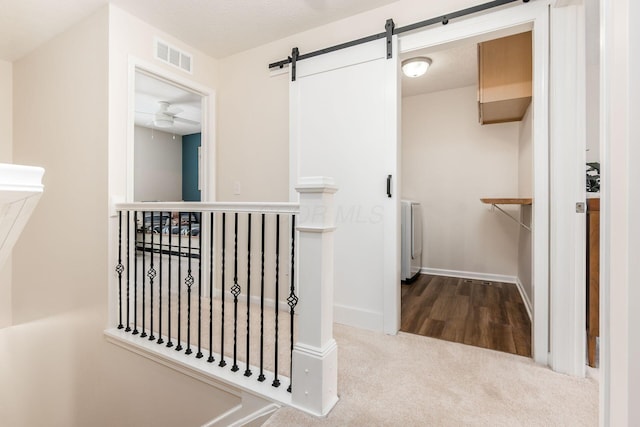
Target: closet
{"points": [[467, 136]]}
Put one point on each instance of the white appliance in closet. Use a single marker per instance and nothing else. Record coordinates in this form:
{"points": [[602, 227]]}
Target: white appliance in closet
{"points": [[411, 240]]}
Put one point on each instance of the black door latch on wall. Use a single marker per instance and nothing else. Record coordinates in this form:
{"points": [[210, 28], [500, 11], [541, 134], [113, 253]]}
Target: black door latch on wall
{"points": [[389, 186]]}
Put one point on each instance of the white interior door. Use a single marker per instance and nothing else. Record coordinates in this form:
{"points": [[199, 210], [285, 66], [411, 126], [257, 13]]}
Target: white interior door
{"points": [[344, 121]]}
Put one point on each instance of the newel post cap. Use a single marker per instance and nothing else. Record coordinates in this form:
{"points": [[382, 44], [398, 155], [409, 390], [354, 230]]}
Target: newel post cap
{"points": [[316, 184]]}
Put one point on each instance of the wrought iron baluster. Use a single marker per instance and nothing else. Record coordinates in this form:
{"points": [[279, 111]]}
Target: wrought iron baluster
{"points": [[261, 377], [247, 371], [169, 279], [189, 282], [135, 276], [235, 290], [179, 346], [120, 270], [128, 328], [292, 300], [152, 275], [160, 229], [144, 280], [210, 359], [199, 354], [276, 381], [222, 361]]}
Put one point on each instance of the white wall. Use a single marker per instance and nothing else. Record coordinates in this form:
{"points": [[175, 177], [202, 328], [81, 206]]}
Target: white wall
{"points": [[525, 189], [592, 40], [158, 166], [449, 162], [129, 38], [620, 210], [254, 107], [55, 365], [6, 143], [6, 117]]}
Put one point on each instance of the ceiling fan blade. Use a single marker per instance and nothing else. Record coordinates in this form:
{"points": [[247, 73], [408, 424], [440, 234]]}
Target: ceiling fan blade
{"points": [[186, 121], [174, 111]]}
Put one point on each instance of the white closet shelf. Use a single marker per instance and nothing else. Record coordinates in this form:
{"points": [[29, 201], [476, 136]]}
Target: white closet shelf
{"points": [[520, 201]]}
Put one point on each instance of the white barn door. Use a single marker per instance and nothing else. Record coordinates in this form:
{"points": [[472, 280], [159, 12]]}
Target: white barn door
{"points": [[344, 125]]}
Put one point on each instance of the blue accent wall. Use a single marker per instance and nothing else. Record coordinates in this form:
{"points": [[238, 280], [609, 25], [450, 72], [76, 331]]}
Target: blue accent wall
{"points": [[190, 144]]}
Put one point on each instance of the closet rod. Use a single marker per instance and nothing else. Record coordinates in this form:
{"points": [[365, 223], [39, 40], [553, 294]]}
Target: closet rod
{"points": [[444, 19]]}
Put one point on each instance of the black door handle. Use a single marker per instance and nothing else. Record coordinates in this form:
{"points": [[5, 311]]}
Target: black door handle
{"points": [[389, 186]]}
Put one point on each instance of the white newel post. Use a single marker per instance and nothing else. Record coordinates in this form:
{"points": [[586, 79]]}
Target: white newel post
{"points": [[315, 353]]}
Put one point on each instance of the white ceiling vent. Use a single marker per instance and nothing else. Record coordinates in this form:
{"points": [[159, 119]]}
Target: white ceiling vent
{"points": [[171, 55]]}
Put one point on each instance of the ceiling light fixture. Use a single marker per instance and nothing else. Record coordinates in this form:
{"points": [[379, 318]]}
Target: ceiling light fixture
{"points": [[415, 67]]}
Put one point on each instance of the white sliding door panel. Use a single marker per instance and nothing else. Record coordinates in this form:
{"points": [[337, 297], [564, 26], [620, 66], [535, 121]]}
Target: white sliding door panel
{"points": [[342, 112]]}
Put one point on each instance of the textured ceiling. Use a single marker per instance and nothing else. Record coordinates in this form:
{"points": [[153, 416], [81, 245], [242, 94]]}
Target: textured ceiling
{"points": [[216, 27], [451, 68], [223, 27], [25, 24]]}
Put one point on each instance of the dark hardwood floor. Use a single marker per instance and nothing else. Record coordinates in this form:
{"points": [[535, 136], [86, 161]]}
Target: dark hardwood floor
{"points": [[484, 314]]}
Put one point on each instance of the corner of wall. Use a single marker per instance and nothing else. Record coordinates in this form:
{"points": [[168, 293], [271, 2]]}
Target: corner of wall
{"points": [[6, 111], [6, 156]]}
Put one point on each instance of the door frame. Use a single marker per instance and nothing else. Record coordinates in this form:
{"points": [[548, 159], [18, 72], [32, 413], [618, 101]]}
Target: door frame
{"points": [[532, 16], [559, 246], [208, 139]]}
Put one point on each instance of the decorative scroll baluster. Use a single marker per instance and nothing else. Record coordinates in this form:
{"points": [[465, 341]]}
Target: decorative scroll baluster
{"points": [[247, 371], [169, 279], [120, 270], [210, 359], [235, 290], [160, 227], [199, 354], [292, 300], [155, 279], [276, 381], [222, 362], [261, 377], [189, 282], [179, 346], [128, 328], [152, 275], [135, 276]]}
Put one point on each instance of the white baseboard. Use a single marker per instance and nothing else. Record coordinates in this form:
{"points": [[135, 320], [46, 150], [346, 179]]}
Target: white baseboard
{"points": [[357, 317], [484, 276], [525, 298], [469, 275]]}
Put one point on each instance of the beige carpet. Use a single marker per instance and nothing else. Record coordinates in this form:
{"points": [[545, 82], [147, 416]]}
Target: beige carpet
{"points": [[408, 380]]}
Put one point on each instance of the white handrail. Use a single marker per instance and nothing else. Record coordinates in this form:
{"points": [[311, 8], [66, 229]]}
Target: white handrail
{"points": [[247, 207], [18, 182], [20, 190], [313, 364]]}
